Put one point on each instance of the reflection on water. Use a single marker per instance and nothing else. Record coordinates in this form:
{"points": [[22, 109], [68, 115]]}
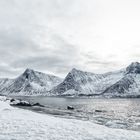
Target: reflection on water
{"points": [[115, 113]]}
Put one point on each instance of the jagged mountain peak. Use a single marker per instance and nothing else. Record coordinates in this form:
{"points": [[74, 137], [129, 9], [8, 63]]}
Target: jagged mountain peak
{"points": [[74, 73], [134, 67], [128, 85], [32, 75], [86, 83], [76, 83], [28, 70], [74, 70], [29, 82], [29, 74], [134, 64], [78, 72]]}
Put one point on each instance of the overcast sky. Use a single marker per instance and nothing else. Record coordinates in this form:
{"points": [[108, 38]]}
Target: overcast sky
{"points": [[54, 36]]}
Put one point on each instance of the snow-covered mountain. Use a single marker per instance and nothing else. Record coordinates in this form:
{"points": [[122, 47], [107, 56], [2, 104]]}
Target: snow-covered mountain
{"points": [[79, 83], [29, 83], [129, 85], [122, 83]]}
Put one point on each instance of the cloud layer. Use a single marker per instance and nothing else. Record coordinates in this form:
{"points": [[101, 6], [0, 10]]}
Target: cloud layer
{"points": [[53, 36]]}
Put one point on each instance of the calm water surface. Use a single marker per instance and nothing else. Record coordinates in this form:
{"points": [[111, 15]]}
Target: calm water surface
{"points": [[114, 113]]}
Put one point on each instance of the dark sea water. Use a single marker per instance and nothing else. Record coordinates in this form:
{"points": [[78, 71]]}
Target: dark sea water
{"points": [[114, 113]]}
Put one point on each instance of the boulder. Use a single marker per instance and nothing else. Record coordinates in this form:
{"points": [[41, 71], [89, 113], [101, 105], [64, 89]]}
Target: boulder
{"points": [[12, 100], [20, 103], [70, 107]]}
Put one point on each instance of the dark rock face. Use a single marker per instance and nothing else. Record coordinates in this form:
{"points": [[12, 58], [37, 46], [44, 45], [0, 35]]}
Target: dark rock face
{"points": [[133, 68]]}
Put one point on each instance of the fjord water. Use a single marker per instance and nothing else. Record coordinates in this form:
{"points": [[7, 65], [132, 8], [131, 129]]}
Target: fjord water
{"points": [[114, 113]]}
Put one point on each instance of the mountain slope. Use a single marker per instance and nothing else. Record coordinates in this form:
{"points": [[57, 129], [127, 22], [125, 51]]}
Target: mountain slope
{"points": [[129, 85], [123, 83], [84, 83], [29, 83]]}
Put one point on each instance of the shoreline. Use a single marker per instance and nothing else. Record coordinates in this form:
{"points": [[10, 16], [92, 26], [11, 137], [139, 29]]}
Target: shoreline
{"points": [[22, 124]]}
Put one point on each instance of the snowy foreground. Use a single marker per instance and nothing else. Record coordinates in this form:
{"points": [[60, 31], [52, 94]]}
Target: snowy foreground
{"points": [[19, 124]]}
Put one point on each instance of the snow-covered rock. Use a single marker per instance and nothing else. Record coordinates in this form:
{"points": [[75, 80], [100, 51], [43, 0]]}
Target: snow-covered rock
{"points": [[19, 103]]}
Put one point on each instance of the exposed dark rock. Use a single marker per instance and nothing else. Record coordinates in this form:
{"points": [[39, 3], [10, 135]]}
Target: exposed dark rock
{"points": [[133, 68], [12, 100], [100, 111], [70, 107]]}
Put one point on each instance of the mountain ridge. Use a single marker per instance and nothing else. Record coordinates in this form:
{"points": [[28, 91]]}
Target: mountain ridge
{"points": [[121, 83], [30, 82]]}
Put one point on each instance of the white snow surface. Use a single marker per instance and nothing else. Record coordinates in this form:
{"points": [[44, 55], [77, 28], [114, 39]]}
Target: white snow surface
{"points": [[20, 124]]}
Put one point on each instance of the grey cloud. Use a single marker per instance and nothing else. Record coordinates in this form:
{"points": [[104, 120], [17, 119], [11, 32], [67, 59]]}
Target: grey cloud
{"points": [[47, 63], [26, 40], [6, 71], [99, 65], [98, 62], [58, 57], [30, 36], [22, 47]]}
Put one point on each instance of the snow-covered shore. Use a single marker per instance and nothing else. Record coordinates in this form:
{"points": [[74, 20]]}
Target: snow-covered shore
{"points": [[19, 124]]}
